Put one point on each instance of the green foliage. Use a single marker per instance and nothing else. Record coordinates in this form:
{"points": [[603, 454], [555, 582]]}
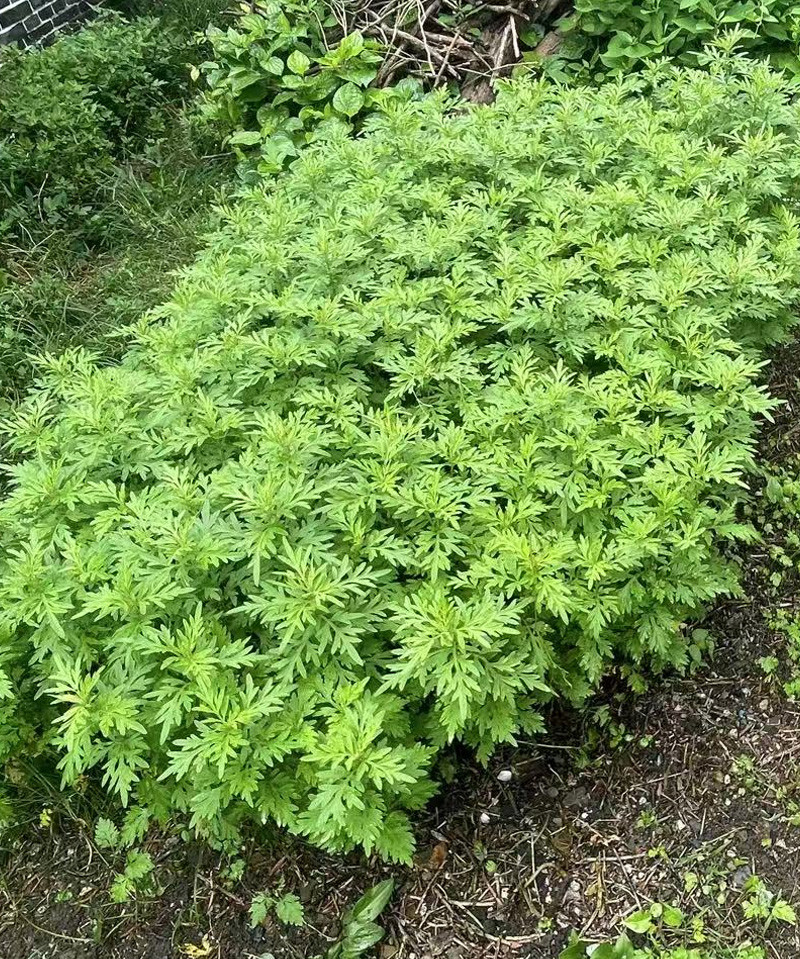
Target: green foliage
{"points": [[660, 923], [778, 514], [360, 931], [55, 294], [789, 626], [259, 908], [622, 34], [287, 908], [447, 422], [71, 111], [657, 914], [764, 906], [623, 948], [276, 83], [106, 834], [187, 16], [105, 184], [134, 879]]}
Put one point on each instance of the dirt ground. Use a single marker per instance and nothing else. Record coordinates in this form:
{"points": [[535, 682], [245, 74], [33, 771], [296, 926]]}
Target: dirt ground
{"points": [[678, 797]]}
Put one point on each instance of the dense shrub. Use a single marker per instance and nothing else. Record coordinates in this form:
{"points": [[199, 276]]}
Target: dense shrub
{"points": [[70, 111], [106, 184], [188, 16], [625, 33], [279, 78], [445, 423]]}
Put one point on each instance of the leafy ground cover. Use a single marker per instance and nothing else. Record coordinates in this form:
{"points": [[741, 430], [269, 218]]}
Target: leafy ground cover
{"points": [[621, 35], [108, 186], [679, 797], [470, 44], [634, 289], [427, 439]]}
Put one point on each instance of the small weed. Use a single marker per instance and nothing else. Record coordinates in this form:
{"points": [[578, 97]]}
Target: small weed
{"points": [[135, 878], [286, 907], [657, 916], [360, 930], [658, 852], [647, 819], [233, 872], [764, 906]]}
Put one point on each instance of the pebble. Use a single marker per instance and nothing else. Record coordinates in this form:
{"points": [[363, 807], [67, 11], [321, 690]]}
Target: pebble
{"points": [[485, 819], [739, 877], [505, 776]]}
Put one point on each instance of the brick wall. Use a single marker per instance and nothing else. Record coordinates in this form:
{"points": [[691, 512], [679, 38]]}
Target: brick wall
{"points": [[36, 21]]}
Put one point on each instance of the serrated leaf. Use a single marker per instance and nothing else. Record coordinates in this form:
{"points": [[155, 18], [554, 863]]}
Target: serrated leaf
{"points": [[289, 910], [784, 912], [106, 834], [260, 905]]}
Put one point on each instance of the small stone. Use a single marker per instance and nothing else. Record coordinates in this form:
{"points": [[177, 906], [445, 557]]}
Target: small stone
{"points": [[485, 818], [505, 776], [741, 876]]}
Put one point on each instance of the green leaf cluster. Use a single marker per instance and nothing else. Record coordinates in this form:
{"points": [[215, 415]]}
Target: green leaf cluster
{"points": [[71, 111], [360, 929], [287, 907], [623, 948], [623, 34], [277, 81], [449, 421], [136, 877]]}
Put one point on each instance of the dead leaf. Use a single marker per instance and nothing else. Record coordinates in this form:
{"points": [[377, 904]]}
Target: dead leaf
{"points": [[438, 856], [197, 952]]}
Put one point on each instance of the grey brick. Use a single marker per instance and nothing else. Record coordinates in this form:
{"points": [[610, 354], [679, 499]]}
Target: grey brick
{"points": [[31, 23], [14, 32], [38, 34], [63, 17], [16, 13], [39, 21]]}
